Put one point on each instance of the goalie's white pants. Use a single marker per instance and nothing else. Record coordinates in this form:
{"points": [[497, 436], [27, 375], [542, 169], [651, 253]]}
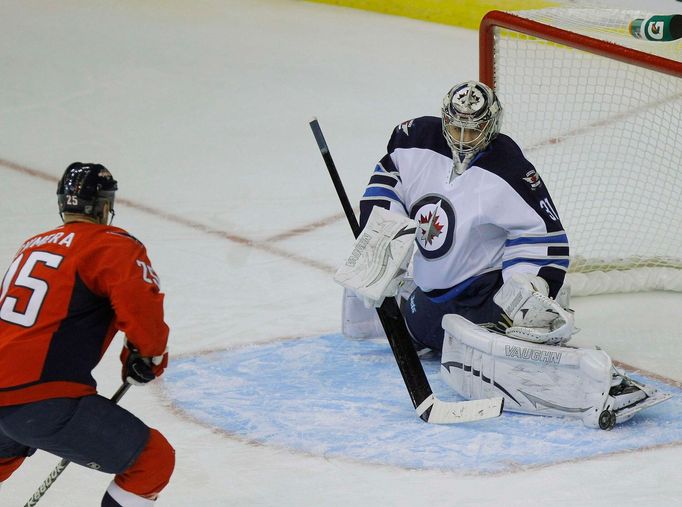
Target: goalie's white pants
{"points": [[534, 378]]}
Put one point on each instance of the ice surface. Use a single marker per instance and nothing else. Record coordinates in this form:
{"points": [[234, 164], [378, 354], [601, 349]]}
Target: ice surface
{"points": [[337, 398], [201, 110]]}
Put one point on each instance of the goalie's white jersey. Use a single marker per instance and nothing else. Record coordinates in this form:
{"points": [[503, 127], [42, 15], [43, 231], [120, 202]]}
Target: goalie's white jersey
{"points": [[497, 215]]}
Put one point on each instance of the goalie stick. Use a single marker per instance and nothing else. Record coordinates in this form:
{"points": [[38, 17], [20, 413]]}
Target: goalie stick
{"points": [[428, 407], [42, 489]]}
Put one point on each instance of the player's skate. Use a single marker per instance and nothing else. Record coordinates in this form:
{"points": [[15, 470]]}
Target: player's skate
{"points": [[626, 398]]}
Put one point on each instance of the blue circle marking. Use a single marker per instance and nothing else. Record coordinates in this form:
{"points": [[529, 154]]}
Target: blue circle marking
{"points": [[334, 397]]}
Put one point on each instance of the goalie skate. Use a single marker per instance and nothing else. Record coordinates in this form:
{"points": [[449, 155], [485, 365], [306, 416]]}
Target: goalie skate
{"points": [[626, 398]]}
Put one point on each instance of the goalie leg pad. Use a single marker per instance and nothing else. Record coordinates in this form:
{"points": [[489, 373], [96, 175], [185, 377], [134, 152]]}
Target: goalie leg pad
{"points": [[533, 378], [540, 379], [358, 321]]}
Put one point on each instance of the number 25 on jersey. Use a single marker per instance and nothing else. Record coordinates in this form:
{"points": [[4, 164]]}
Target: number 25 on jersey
{"points": [[38, 288]]}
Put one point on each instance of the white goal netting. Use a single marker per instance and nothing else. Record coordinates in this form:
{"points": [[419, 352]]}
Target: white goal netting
{"points": [[605, 135]]}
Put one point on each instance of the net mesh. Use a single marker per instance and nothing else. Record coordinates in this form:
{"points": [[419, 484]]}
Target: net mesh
{"points": [[606, 137]]}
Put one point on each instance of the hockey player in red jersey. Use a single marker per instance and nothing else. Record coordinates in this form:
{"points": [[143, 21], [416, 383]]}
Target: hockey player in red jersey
{"points": [[67, 292]]}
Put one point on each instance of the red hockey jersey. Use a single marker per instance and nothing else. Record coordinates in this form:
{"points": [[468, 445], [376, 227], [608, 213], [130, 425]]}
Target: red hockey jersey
{"points": [[63, 298]]}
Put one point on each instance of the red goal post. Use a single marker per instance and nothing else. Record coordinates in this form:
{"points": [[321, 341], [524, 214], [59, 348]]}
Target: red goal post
{"points": [[599, 113], [501, 20]]}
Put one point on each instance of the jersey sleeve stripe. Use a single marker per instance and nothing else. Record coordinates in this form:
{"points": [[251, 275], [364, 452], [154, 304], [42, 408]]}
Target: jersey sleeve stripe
{"points": [[386, 166], [531, 240], [378, 191], [559, 262], [366, 209], [553, 251], [383, 179], [537, 251]]}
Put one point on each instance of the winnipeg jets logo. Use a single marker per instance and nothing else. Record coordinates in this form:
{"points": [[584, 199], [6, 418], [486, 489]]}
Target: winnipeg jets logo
{"points": [[429, 227], [468, 100], [436, 225]]}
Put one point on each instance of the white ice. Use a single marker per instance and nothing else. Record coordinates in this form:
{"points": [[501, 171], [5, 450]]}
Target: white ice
{"points": [[201, 111]]}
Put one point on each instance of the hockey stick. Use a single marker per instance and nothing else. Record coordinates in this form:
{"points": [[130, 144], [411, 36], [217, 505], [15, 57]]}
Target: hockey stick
{"points": [[40, 492], [428, 407]]}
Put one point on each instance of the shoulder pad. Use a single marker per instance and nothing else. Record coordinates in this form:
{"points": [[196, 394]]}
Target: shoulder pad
{"points": [[425, 132], [504, 158]]}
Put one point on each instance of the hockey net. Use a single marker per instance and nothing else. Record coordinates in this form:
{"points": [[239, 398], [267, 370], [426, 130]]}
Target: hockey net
{"points": [[599, 114]]}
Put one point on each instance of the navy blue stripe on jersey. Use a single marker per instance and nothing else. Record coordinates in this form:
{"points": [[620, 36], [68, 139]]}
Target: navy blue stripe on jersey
{"points": [[554, 278], [557, 251], [538, 262], [383, 179], [386, 166], [532, 240], [366, 209]]}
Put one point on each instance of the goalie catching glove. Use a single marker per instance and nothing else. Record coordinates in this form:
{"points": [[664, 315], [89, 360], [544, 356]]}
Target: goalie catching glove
{"points": [[535, 316], [138, 369], [381, 253]]}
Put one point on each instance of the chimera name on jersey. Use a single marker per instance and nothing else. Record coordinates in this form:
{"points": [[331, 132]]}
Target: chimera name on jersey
{"points": [[55, 238]]}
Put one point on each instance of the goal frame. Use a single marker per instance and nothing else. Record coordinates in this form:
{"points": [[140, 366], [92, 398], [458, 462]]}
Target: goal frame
{"points": [[505, 20], [601, 277]]}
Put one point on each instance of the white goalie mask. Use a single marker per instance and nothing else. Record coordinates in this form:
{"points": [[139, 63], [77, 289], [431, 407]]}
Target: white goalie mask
{"points": [[472, 117]]}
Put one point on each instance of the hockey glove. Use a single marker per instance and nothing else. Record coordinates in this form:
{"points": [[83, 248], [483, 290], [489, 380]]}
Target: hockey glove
{"points": [[535, 316], [138, 369]]}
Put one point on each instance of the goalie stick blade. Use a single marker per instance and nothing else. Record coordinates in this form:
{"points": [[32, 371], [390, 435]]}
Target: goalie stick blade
{"points": [[435, 411]]}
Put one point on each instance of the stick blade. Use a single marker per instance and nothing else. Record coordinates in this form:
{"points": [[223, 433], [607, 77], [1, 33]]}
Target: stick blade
{"points": [[435, 411]]}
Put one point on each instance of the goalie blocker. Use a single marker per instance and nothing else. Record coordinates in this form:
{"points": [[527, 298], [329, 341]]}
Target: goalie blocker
{"points": [[540, 379], [380, 257]]}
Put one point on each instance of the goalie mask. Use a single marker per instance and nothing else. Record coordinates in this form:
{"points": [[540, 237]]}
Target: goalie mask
{"points": [[84, 189], [472, 117]]}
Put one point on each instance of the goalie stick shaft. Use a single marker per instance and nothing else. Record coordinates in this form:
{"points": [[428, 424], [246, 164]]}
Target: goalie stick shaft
{"points": [[392, 321], [428, 407], [336, 179], [49, 480], [389, 314]]}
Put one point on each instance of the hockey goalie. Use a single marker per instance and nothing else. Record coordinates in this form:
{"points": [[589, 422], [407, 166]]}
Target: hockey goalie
{"points": [[530, 365], [460, 227]]}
